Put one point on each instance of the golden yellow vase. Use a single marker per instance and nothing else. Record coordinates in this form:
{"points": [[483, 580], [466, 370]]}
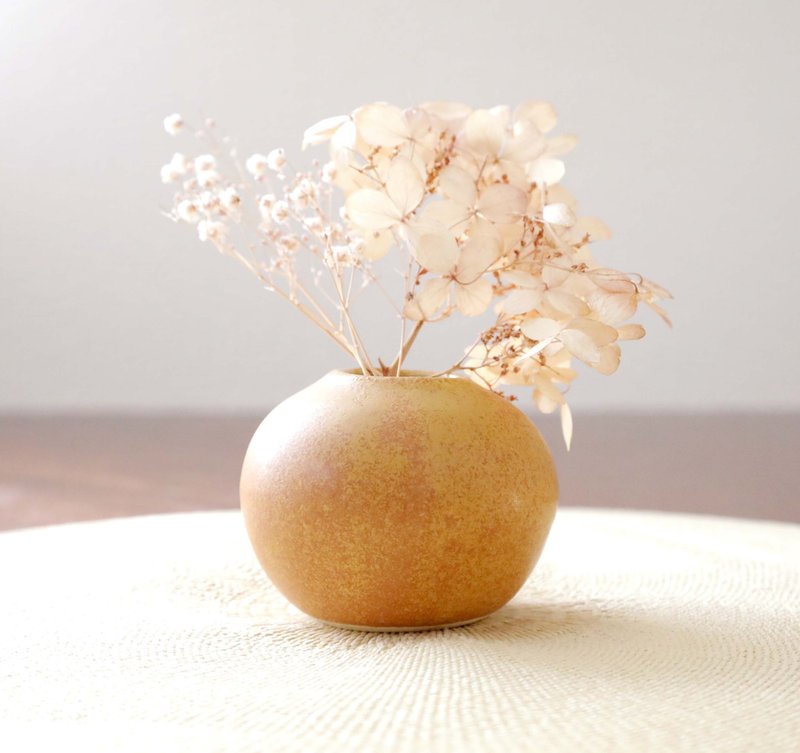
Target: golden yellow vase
{"points": [[397, 503]]}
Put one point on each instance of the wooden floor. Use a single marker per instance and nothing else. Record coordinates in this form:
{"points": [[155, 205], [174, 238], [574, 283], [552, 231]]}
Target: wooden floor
{"points": [[69, 468]]}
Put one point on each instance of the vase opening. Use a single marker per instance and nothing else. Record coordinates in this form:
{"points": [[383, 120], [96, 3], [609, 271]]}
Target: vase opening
{"points": [[404, 374]]}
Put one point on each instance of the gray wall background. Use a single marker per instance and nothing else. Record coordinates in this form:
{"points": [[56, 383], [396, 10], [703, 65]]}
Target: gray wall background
{"points": [[687, 112]]}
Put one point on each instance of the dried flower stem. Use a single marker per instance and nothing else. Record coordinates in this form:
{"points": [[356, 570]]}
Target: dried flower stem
{"points": [[406, 347]]}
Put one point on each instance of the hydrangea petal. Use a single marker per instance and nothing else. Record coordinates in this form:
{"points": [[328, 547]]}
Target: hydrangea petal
{"points": [[381, 124], [484, 132], [540, 328], [377, 244], [546, 170], [502, 203], [557, 146], [404, 185], [612, 308], [544, 403], [631, 332], [612, 281], [457, 184], [474, 299], [581, 346], [609, 359], [558, 214], [522, 301], [526, 143], [448, 111], [371, 210], [323, 130], [429, 299], [449, 214], [476, 257], [601, 334], [566, 424], [541, 114], [566, 303], [437, 252]]}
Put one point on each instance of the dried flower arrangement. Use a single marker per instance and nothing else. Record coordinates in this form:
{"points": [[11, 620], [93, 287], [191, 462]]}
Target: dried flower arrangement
{"points": [[469, 206]]}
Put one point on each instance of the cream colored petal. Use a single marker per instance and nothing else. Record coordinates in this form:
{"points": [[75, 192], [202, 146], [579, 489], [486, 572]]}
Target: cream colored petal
{"points": [[412, 310], [449, 214], [433, 295], [612, 308], [523, 279], [557, 194], [546, 170], [558, 214], [475, 258], [437, 252], [554, 273], [580, 345], [503, 114], [660, 311], [484, 132], [381, 124], [563, 373], [561, 359], [416, 155], [557, 146], [601, 334], [448, 111], [631, 332], [343, 142], [502, 203], [540, 328], [371, 210], [566, 425], [544, 403], [377, 244], [609, 359], [541, 114], [525, 144], [474, 299], [457, 184], [404, 185], [323, 130], [522, 301], [546, 387], [566, 303], [611, 281], [656, 289]]}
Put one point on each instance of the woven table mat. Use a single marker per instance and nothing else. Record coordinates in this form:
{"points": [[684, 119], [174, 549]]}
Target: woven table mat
{"points": [[637, 632]]}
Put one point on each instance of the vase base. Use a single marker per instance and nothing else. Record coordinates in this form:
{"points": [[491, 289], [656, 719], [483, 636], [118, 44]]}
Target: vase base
{"points": [[401, 629]]}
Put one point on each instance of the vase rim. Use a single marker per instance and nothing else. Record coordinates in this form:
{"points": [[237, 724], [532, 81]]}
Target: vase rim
{"points": [[405, 374]]}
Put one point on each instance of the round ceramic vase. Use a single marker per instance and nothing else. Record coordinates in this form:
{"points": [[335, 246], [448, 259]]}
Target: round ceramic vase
{"points": [[397, 503]]}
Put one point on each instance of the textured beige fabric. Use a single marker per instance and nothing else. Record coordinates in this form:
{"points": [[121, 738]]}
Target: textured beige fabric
{"points": [[637, 632]]}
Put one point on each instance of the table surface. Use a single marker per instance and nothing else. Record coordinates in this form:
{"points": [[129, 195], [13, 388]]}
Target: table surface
{"points": [[81, 467], [637, 632]]}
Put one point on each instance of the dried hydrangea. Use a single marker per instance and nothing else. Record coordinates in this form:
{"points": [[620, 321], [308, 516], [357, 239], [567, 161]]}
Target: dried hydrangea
{"points": [[471, 205]]}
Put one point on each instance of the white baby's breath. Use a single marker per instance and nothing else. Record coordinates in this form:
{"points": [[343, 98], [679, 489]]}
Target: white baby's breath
{"points": [[276, 159], [257, 165], [187, 211], [280, 212], [205, 163], [210, 231], [230, 198], [173, 124]]}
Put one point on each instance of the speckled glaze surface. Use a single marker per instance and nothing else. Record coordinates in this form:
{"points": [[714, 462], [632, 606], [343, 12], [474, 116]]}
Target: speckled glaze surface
{"points": [[400, 502]]}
